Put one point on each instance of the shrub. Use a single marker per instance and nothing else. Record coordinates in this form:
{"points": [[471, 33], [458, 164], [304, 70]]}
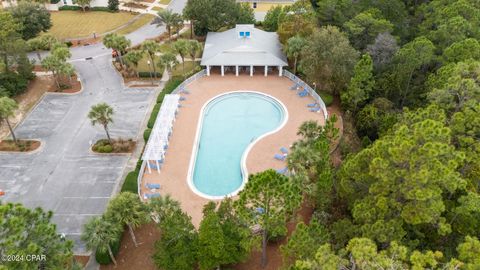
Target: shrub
{"points": [[102, 146], [153, 116], [13, 83], [107, 149], [171, 85], [146, 74], [113, 5], [67, 7], [54, 1], [146, 134], [100, 9], [130, 183], [103, 257], [69, 43], [327, 98]]}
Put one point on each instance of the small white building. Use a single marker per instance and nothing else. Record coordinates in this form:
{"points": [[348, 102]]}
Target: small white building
{"points": [[243, 49], [93, 3]]}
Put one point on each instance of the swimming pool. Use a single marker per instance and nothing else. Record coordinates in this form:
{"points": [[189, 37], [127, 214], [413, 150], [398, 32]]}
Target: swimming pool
{"points": [[228, 127]]}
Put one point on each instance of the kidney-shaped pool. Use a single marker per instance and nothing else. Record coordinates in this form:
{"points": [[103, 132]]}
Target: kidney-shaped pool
{"points": [[229, 125]]}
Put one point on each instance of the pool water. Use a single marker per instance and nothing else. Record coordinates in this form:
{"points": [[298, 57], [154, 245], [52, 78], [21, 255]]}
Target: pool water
{"points": [[230, 124]]}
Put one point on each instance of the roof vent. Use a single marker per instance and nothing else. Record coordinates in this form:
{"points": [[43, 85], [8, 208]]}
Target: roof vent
{"points": [[244, 30]]}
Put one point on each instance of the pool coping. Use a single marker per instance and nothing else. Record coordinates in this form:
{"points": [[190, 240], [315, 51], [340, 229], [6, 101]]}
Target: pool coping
{"points": [[243, 161]]}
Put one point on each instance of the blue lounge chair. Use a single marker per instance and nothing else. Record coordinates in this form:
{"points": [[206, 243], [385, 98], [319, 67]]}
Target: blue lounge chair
{"points": [[182, 98], [279, 157], [315, 109], [304, 93], [283, 171], [294, 87], [284, 150], [152, 186], [151, 195], [311, 105], [185, 91]]}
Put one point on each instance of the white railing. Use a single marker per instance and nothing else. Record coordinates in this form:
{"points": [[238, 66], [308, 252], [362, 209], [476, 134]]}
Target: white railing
{"points": [[190, 79], [305, 86], [180, 87]]}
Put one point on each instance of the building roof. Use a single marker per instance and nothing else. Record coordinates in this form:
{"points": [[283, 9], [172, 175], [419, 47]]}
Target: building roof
{"points": [[229, 48]]}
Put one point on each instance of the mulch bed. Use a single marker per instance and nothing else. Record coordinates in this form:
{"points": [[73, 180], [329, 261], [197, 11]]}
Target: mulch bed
{"points": [[83, 260], [85, 42], [23, 145], [135, 5], [74, 88], [120, 146]]}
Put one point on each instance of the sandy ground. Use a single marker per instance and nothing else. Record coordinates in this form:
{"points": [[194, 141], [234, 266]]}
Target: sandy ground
{"points": [[173, 176]]}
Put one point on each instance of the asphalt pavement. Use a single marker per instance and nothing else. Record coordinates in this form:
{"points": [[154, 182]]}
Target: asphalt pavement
{"points": [[64, 176]]}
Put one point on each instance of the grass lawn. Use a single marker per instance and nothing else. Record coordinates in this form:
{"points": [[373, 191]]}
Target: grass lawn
{"points": [[143, 20], [189, 66], [143, 65], [71, 24], [164, 2], [157, 8]]}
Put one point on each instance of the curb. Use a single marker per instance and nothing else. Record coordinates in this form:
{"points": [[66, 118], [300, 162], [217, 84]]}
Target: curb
{"points": [[35, 151]]}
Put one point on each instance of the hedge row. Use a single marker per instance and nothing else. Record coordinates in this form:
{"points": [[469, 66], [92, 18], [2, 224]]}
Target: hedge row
{"points": [[130, 184], [169, 87], [67, 7], [146, 74], [153, 116]]}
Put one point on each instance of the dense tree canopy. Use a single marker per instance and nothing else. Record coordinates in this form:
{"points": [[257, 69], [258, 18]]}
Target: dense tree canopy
{"points": [[26, 232], [328, 59], [33, 18], [212, 15]]}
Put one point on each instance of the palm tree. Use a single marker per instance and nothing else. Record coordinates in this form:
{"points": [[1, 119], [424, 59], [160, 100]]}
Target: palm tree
{"points": [[134, 57], [168, 18], [118, 43], [99, 233], [193, 48], [168, 60], [293, 49], [181, 47], [127, 209], [7, 109], [102, 113], [177, 23], [151, 47], [163, 206]]}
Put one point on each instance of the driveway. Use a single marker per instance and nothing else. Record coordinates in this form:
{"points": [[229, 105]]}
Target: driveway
{"points": [[64, 176]]}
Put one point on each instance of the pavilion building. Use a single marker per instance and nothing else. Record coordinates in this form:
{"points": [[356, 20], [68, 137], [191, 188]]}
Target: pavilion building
{"points": [[243, 49]]}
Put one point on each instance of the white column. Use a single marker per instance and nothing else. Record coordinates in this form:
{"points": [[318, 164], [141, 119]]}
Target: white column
{"points": [[148, 166], [236, 70], [266, 71], [251, 70], [158, 166], [223, 71], [208, 70], [280, 68]]}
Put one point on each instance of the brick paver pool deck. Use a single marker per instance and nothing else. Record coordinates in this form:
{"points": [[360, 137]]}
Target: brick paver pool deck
{"points": [[173, 175]]}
